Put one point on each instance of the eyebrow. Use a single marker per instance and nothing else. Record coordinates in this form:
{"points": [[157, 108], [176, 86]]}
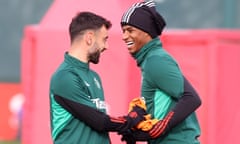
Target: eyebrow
{"points": [[128, 28]]}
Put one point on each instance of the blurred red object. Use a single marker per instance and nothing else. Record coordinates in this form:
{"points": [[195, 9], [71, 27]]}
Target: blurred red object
{"points": [[9, 106]]}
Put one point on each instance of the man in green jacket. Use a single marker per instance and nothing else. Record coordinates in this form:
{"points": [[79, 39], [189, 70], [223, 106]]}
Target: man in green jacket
{"points": [[77, 105], [168, 95]]}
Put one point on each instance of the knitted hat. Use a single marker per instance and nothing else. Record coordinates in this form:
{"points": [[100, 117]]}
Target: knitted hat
{"points": [[144, 16]]}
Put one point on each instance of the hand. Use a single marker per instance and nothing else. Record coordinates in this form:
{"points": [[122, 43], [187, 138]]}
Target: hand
{"points": [[136, 115], [159, 129], [135, 135], [137, 102], [128, 138], [132, 119]]}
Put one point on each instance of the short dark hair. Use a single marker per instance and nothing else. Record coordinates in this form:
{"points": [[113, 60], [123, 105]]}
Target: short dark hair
{"points": [[86, 21]]}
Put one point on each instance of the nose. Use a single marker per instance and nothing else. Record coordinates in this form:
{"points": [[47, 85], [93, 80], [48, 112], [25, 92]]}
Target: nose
{"points": [[124, 36], [105, 47]]}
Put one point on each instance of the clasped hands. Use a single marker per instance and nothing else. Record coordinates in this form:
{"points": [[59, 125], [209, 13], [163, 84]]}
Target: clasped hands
{"points": [[141, 127]]}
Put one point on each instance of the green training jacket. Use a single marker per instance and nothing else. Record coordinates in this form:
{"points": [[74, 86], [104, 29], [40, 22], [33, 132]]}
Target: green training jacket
{"points": [[162, 85], [74, 80]]}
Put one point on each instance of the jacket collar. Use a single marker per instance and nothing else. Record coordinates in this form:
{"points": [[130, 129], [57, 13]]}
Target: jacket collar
{"points": [[141, 54], [75, 62]]}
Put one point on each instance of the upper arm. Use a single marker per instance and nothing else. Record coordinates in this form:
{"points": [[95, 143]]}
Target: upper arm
{"points": [[68, 85], [91, 116], [165, 75]]}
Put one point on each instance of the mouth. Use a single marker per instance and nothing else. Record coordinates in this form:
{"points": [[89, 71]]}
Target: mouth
{"points": [[129, 44]]}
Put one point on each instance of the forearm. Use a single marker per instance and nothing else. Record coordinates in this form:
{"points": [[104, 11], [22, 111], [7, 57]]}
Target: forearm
{"points": [[91, 116], [186, 105]]}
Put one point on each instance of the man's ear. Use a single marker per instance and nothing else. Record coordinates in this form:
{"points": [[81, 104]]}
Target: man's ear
{"points": [[89, 37]]}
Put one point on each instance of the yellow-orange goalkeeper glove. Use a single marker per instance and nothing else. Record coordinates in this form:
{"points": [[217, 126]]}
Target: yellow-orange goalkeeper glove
{"points": [[146, 124]]}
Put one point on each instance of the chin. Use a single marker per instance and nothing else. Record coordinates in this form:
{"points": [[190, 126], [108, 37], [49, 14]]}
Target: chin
{"points": [[132, 52], [95, 62]]}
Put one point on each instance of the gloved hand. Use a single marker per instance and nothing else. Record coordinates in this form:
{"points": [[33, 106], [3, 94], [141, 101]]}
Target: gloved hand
{"points": [[135, 135], [135, 116], [148, 122], [137, 102], [158, 129]]}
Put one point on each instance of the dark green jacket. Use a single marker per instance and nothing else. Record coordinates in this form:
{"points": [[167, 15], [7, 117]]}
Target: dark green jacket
{"points": [[162, 85], [75, 81]]}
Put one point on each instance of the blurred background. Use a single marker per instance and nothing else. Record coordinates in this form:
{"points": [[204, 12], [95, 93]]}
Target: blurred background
{"points": [[16, 15]]}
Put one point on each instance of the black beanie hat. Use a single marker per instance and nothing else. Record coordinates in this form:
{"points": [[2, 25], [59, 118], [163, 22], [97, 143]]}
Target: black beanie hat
{"points": [[144, 16]]}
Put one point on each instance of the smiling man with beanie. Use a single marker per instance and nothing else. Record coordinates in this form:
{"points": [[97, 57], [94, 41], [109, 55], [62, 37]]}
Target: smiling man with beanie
{"points": [[168, 95]]}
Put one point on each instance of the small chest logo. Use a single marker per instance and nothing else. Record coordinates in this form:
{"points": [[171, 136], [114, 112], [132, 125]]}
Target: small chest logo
{"points": [[87, 84], [97, 83]]}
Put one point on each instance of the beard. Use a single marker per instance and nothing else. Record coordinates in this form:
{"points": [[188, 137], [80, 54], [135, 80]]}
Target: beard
{"points": [[94, 57]]}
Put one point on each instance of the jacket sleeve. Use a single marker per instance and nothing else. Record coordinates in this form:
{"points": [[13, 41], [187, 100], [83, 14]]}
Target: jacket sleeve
{"points": [[163, 73], [94, 118], [90, 116], [186, 105]]}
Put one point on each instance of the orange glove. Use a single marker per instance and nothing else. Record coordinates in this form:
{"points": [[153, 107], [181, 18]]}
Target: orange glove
{"points": [[146, 124], [137, 102]]}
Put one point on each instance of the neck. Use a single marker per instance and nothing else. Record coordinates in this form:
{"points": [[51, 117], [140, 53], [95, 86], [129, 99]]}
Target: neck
{"points": [[78, 52]]}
